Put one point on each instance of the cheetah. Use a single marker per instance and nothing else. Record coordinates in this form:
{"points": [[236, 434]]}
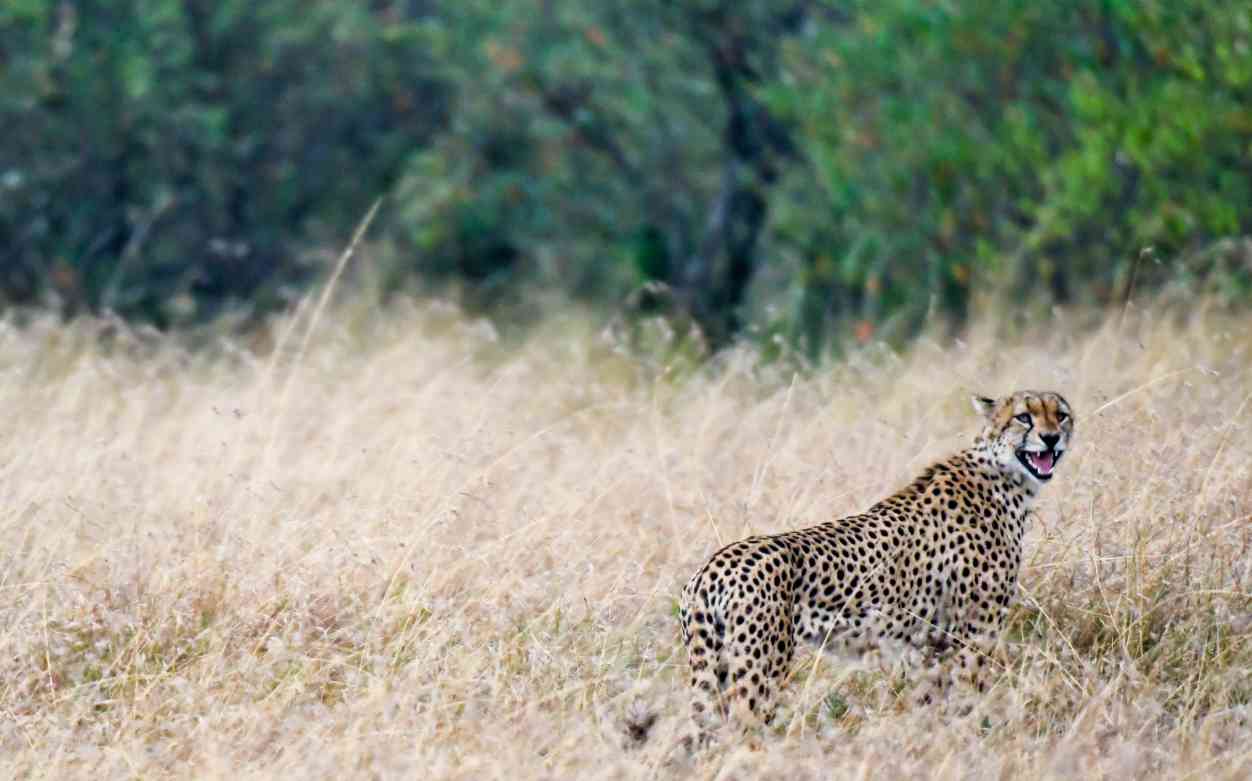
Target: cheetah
{"points": [[930, 569]]}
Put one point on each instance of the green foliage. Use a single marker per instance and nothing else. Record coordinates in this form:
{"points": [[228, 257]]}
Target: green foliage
{"points": [[806, 172], [164, 158], [1036, 146], [901, 155], [591, 151]]}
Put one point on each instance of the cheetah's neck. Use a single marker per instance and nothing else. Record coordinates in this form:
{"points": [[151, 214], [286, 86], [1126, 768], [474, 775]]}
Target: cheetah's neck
{"points": [[977, 463], [980, 458]]}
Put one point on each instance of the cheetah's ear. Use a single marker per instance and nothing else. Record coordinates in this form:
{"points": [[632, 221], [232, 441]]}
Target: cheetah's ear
{"points": [[983, 405]]}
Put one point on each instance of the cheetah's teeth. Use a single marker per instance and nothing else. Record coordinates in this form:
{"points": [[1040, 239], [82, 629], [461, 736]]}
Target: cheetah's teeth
{"points": [[1042, 462]]}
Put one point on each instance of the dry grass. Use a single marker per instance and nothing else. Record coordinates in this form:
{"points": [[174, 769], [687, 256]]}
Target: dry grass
{"points": [[410, 554]]}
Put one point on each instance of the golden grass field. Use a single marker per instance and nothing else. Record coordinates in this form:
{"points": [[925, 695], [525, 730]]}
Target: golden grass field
{"points": [[399, 550]]}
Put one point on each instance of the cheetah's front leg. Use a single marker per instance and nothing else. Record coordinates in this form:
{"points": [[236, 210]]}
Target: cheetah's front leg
{"points": [[978, 641]]}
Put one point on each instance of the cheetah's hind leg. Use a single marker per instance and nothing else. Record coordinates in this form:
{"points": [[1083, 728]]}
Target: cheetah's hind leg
{"points": [[758, 665], [708, 677]]}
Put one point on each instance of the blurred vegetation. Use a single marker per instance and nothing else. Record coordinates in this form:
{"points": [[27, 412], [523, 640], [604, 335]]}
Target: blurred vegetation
{"points": [[168, 158], [801, 172]]}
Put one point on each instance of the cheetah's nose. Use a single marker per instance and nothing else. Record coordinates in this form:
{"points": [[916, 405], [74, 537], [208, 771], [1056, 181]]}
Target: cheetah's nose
{"points": [[1050, 440]]}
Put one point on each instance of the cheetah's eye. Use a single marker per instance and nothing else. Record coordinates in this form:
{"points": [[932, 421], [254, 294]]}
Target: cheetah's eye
{"points": [[1024, 418], [1061, 417]]}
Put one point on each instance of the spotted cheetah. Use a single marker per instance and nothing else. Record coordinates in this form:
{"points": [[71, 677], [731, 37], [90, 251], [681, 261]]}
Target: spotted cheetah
{"points": [[930, 569]]}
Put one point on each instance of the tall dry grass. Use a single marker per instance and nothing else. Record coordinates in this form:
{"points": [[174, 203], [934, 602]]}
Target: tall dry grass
{"points": [[410, 553]]}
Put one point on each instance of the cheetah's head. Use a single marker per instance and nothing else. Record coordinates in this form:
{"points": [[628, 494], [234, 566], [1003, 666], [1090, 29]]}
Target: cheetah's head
{"points": [[1027, 431]]}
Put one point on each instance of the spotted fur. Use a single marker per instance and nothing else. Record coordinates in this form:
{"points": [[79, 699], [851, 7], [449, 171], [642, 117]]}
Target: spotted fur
{"points": [[931, 568]]}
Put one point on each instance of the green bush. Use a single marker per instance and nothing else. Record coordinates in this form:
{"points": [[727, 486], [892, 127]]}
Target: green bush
{"points": [[166, 158], [1034, 147], [597, 147]]}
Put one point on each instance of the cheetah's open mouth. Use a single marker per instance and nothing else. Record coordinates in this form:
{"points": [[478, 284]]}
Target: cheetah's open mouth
{"points": [[1040, 463]]}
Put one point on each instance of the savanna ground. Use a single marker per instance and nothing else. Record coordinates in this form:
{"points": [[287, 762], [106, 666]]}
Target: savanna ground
{"points": [[399, 550]]}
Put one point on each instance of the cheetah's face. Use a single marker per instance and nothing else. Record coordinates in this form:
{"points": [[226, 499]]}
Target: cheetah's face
{"points": [[1028, 431]]}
